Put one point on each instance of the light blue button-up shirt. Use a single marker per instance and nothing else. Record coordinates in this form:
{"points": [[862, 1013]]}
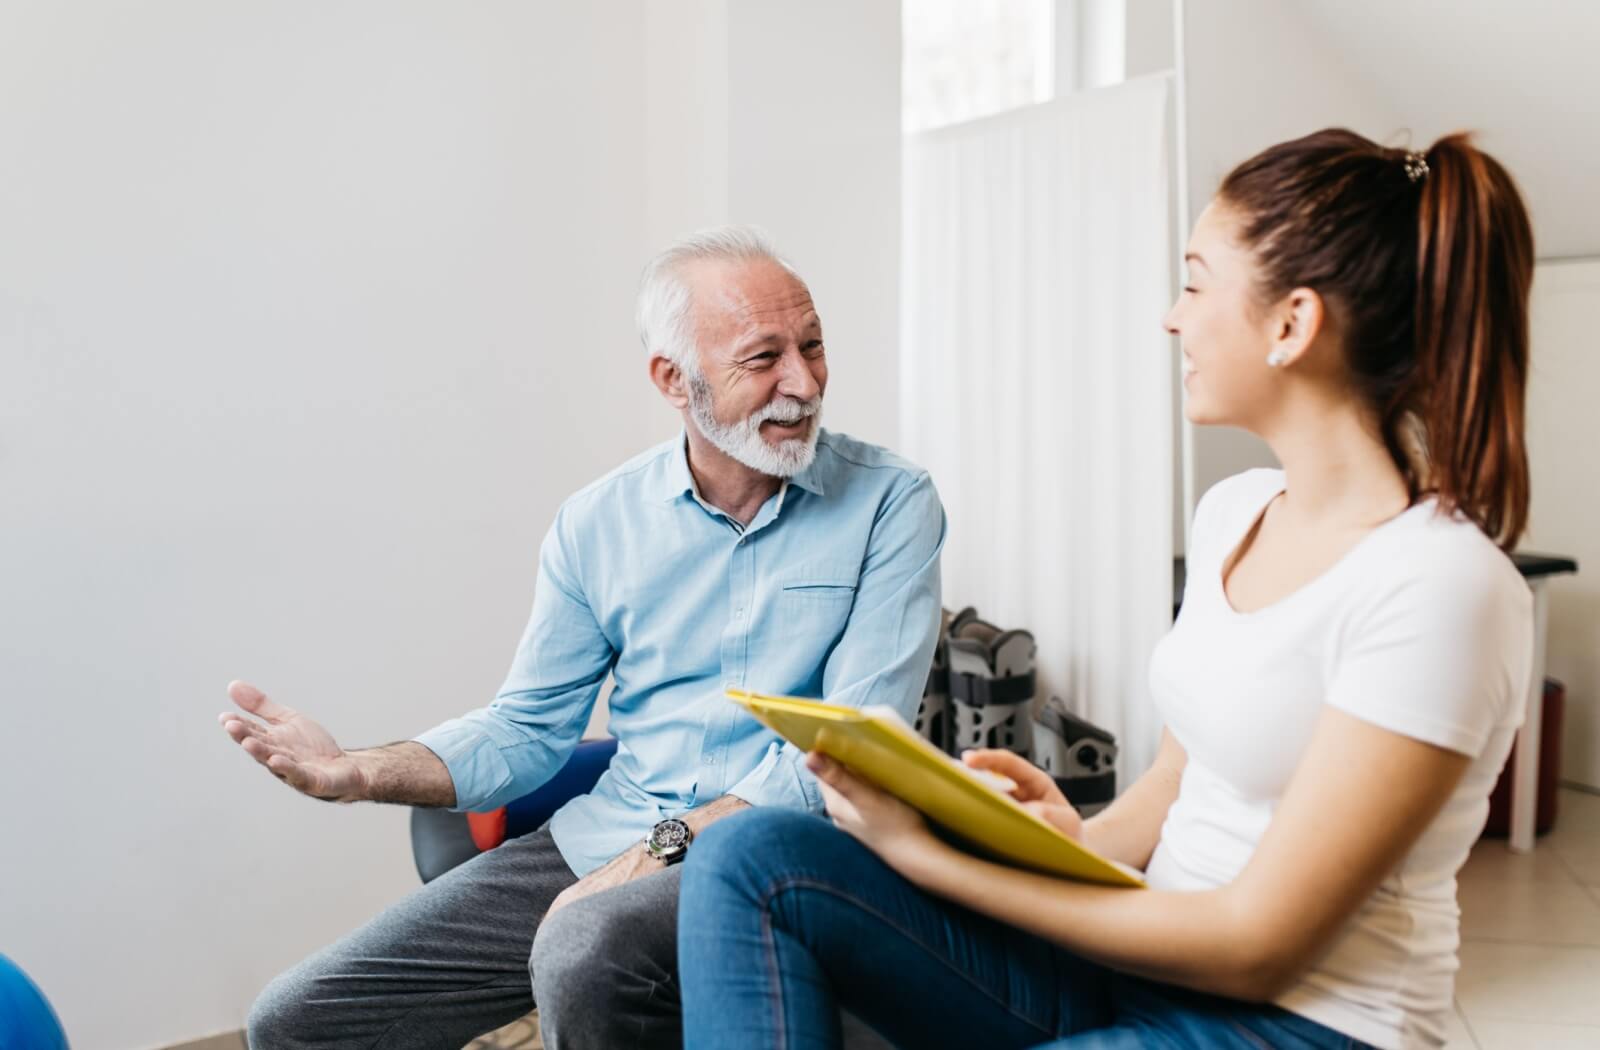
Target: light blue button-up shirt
{"points": [[832, 591]]}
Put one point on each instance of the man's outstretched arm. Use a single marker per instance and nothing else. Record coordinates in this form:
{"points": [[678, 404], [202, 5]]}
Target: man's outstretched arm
{"points": [[481, 760], [302, 754]]}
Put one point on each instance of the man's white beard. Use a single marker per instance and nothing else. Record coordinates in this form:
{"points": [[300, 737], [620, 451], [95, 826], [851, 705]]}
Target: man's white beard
{"points": [[743, 442]]}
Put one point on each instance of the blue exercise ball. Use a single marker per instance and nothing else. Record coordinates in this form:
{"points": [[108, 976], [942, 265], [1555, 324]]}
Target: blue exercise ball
{"points": [[26, 1020]]}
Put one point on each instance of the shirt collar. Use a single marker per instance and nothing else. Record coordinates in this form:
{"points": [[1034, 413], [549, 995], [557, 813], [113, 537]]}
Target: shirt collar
{"points": [[676, 480], [810, 478]]}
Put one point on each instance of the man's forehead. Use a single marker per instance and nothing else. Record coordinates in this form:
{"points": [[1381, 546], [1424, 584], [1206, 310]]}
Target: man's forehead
{"points": [[751, 295]]}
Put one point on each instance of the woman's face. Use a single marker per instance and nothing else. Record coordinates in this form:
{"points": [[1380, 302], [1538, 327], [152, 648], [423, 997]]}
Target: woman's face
{"points": [[1223, 330]]}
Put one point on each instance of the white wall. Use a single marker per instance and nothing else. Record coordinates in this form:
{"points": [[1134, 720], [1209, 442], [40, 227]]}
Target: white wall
{"points": [[1103, 42], [309, 318], [1535, 113], [1566, 513], [1149, 38], [686, 117], [813, 152], [1258, 73]]}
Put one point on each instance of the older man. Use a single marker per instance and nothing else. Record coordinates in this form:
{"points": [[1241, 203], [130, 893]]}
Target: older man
{"points": [[755, 550]]}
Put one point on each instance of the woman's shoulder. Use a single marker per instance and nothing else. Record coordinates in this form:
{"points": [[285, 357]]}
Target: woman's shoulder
{"points": [[1434, 634], [1430, 537], [1444, 553]]}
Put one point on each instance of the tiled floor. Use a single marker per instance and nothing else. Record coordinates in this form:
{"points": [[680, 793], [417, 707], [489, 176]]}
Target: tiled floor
{"points": [[1530, 928], [1530, 953]]}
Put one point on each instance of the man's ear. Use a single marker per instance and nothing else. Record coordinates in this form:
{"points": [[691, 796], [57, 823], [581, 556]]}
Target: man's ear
{"points": [[1297, 321], [669, 379]]}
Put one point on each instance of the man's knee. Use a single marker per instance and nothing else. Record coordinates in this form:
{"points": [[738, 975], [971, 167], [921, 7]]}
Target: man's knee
{"points": [[603, 968], [578, 954], [275, 1021]]}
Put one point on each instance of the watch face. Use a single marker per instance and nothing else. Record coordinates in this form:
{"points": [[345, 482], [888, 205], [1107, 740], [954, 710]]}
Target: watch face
{"points": [[669, 836]]}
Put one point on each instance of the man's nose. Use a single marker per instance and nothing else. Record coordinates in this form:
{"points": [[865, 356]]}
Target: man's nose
{"points": [[797, 380]]}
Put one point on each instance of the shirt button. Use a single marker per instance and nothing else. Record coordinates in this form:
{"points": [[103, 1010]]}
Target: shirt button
{"points": [[710, 761]]}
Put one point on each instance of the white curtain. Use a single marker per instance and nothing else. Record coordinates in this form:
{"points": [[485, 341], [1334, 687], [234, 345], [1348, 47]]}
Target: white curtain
{"points": [[1037, 384]]}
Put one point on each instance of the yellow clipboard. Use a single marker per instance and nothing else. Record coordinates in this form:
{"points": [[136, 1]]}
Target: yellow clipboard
{"points": [[877, 744]]}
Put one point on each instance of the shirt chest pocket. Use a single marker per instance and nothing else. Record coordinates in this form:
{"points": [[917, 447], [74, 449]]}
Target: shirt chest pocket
{"points": [[816, 599], [818, 584], [804, 611]]}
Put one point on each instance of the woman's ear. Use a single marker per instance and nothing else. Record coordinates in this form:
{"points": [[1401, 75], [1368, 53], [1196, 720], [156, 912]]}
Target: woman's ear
{"points": [[1297, 321]]}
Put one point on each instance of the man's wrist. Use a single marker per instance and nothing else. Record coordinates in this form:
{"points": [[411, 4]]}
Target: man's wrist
{"points": [[703, 817], [406, 773], [669, 840], [634, 856], [365, 775]]}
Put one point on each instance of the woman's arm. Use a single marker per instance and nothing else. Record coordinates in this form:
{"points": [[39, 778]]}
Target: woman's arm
{"points": [[1129, 828], [1126, 831], [1358, 801]]}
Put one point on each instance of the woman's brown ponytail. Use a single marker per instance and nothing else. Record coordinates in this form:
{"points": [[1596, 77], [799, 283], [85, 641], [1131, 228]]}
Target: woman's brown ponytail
{"points": [[1427, 259], [1474, 268]]}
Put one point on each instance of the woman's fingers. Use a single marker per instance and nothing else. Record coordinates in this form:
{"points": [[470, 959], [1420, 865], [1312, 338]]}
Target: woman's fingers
{"points": [[841, 809], [840, 787], [831, 773], [1032, 782]]}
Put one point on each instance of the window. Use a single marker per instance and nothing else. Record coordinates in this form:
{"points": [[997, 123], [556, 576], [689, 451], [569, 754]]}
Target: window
{"points": [[964, 59]]}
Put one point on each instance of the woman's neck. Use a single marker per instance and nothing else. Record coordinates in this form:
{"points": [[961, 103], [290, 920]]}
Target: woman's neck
{"points": [[1337, 470]]}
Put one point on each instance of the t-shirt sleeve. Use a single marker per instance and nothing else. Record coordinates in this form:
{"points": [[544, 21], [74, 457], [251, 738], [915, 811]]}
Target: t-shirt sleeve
{"points": [[1441, 650]]}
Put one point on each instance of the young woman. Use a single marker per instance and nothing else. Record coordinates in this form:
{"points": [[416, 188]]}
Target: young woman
{"points": [[1339, 692]]}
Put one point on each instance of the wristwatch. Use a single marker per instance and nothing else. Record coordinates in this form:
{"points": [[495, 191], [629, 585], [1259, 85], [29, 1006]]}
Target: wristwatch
{"points": [[669, 841]]}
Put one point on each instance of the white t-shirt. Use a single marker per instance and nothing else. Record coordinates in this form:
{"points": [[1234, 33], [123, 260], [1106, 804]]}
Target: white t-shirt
{"points": [[1425, 629]]}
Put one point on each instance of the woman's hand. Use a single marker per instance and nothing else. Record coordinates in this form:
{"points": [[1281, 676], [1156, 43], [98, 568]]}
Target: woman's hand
{"points": [[884, 824], [1035, 789]]}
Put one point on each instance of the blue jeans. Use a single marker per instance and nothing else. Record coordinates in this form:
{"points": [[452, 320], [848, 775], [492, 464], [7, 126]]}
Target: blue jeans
{"points": [[784, 920]]}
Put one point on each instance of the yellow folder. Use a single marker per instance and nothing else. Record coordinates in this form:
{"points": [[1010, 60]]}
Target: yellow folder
{"points": [[877, 744]]}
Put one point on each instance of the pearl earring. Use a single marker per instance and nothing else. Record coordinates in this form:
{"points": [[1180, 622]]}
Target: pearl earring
{"points": [[1277, 359]]}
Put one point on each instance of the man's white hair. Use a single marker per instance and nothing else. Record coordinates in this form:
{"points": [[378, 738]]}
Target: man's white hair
{"points": [[663, 314]]}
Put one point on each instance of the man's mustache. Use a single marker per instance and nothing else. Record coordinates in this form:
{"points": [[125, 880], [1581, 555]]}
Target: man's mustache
{"points": [[787, 410]]}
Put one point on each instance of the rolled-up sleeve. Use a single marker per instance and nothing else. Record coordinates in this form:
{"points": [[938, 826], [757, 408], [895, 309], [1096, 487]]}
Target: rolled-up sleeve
{"points": [[522, 739], [887, 646]]}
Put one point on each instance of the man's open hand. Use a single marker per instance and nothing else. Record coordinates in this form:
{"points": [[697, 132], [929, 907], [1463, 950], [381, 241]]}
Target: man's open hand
{"points": [[294, 749]]}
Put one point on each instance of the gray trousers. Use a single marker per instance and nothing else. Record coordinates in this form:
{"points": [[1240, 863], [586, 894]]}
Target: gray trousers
{"points": [[460, 957]]}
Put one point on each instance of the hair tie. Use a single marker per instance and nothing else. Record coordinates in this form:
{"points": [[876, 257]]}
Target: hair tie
{"points": [[1416, 166]]}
